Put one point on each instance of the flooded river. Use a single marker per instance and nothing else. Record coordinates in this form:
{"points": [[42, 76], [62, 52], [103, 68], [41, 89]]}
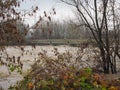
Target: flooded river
{"points": [[27, 57], [31, 54]]}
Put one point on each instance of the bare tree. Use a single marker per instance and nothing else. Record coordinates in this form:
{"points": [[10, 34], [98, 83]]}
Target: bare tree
{"points": [[9, 19], [101, 18]]}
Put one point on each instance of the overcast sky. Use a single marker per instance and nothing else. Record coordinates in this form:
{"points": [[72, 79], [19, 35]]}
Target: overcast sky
{"points": [[63, 11]]}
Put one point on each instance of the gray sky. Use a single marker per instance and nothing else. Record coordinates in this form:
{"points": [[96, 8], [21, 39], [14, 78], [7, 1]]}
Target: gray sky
{"points": [[63, 11]]}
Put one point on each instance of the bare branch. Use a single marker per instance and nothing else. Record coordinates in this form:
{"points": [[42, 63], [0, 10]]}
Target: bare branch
{"points": [[68, 2], [96, 14]]}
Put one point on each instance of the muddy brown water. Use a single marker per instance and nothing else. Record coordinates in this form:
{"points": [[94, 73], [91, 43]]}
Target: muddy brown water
{"points": [[29, 56]]}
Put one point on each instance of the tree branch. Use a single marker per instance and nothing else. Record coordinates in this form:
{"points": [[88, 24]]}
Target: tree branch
{"points": [[96, 14]]}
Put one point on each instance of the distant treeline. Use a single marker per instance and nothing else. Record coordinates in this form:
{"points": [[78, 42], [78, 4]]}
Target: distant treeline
{"points": [[60, 30], [64, 30]]}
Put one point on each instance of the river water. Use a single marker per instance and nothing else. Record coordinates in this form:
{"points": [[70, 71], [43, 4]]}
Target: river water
{"points": [[31, 54]]}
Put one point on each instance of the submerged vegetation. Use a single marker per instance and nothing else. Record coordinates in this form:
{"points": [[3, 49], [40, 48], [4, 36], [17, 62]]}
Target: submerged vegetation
{"points": [[60, 73], [72, 79]]}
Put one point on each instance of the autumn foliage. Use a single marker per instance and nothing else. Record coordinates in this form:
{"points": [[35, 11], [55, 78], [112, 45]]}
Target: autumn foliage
{"points": [[10, 17], [55, 74]]}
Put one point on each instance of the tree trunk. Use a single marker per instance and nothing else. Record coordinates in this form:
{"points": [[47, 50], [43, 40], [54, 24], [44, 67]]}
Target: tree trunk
{"points": [[109, 66], [104, 60]]}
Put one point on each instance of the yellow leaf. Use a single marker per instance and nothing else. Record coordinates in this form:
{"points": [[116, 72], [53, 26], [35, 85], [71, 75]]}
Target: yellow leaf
{"points": [[30, 86], [95, 84], [112, 88]]}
